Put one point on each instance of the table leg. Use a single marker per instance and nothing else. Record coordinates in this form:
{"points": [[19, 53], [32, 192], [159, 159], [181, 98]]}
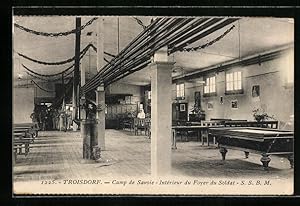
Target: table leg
{"points": [[187, 136], [223, 152], [174, 139], [291, 159], [265, 159], [207, 138], [246, 155], [202, 139]]}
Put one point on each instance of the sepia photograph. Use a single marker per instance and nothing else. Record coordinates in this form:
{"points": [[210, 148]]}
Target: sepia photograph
{"points": [[152, 105]]}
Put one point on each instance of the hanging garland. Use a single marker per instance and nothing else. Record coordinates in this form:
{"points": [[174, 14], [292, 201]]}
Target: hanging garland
{"points": [[54, 34], [49, 80], [48, 75], [82, 53], [41, 87], [95, 49], [209, 43], [139, 22]]}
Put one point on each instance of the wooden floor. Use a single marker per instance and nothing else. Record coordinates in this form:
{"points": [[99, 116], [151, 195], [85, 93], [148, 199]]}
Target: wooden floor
{"points": [[58, 155]]}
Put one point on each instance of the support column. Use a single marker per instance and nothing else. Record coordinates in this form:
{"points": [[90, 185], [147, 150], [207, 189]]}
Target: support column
{"points": [[100, 100], [100, 95], [75, 98], [161, 121], [100, 44], [82, 83]]}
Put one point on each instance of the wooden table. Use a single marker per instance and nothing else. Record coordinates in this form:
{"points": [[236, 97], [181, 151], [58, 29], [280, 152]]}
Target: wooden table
{"points": [[263, 141], [200, 129]]}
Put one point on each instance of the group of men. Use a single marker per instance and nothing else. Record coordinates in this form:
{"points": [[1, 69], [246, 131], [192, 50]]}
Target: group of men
{"points": [[52, 119]]}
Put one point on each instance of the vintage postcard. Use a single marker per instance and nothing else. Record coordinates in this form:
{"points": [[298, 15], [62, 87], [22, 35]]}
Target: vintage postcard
{"points": [[153, 105]]}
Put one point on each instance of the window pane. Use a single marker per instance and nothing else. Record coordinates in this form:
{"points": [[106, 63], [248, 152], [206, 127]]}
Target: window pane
{"points": [[239, 76], [230, 86], [205, 89], [229, 77], [213, 80], [239, 85], [213, 88], [182, 90], [234, 76], [235, 85]]}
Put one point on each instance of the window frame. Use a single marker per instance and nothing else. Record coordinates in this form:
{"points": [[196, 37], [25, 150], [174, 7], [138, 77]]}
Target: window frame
{"points": [[234, 91], [209, 94], [181, 91]]}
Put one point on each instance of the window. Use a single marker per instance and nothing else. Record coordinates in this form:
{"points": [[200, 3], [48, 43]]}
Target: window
{"points": [[180, 91], [234, 82], [210, 85]]}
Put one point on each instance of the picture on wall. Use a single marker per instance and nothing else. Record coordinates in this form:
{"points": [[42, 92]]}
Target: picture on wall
{"points": [[255, 91], [182, 107], [210, 106], [234, 104]]}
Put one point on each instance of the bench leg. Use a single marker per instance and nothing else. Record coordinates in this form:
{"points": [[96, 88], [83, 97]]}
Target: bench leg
{"points": [[26, 149]]}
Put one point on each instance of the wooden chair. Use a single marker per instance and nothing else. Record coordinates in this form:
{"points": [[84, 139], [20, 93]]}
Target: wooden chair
{"points": [[148, 127], [128, 123], [139, 125], [205, 134]]}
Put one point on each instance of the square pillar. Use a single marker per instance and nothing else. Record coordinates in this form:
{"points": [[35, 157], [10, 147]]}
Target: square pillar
{"points": [[161, 121], [100, 44], [100, 100]]}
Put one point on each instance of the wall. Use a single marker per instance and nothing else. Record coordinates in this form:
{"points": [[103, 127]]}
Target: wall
{"points": [[23, 104], [121, 88], [47, 86], [276, 97], [130, 104]]}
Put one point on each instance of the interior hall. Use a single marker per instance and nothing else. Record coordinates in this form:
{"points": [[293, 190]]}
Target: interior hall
{"points": [[148, 96]]}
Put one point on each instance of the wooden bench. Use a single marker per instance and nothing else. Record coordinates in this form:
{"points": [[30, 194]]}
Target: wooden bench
{"points": [[22, 138], [33, 127], [21, 144], [24, 133]]}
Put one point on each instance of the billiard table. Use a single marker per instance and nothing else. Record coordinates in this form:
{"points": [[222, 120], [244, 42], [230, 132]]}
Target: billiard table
{"points": [[263, 141]]}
